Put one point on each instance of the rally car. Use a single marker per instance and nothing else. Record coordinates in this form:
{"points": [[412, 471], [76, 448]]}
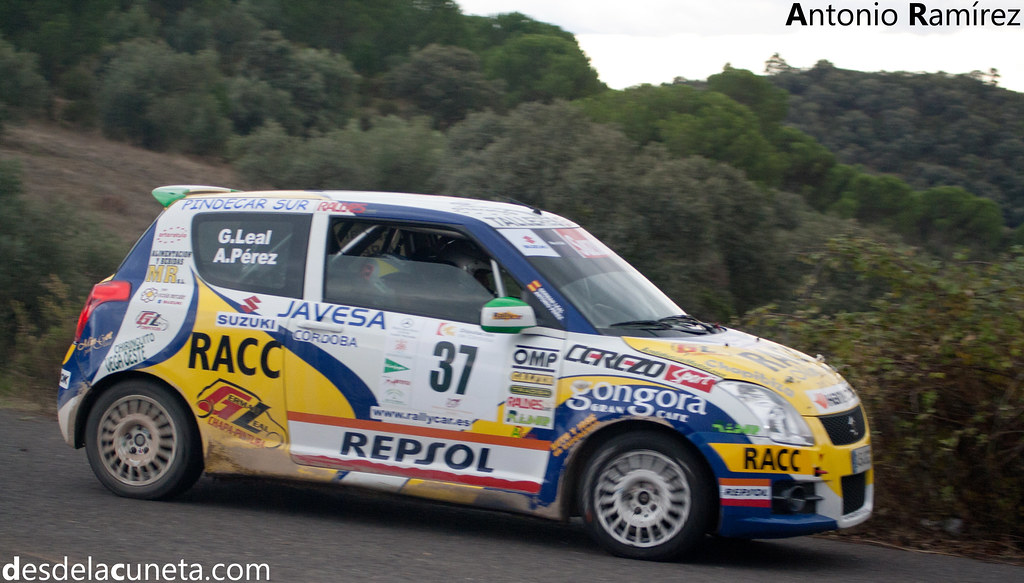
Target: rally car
{"points": [[471, 351]]}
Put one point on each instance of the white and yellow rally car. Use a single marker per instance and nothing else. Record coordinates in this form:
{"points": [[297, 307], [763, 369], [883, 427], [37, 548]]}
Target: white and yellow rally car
{"points": [[464, 350]]}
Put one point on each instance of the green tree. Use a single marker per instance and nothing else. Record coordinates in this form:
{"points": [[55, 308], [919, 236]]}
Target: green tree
{"points": [[492, 31], [953, 218], [444, 83], [392, 155], [638, 111], [321, 87], [23, 90], [368, 32], [61, 33], [714, 233], [722, 129], [537, 67], [881, 199], [769, 103], [163, 100], [41, 242]]}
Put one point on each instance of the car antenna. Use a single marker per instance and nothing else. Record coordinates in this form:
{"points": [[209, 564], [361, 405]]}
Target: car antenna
{"points": [[521, 203]]}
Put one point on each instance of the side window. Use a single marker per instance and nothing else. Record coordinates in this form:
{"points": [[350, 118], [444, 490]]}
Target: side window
{"points": [[431, 272], [263, 253]]}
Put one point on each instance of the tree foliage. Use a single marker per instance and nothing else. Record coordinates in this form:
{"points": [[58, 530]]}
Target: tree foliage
{"points": [[23, 90], [162, 99], [718, 234], [391, 155], [928, 129], [936, 356], [41, 243], [540, 67], [443, 82]]}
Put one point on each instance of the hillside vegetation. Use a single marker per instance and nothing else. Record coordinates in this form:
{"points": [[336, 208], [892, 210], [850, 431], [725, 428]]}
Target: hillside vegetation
{"points": [[830, 209]]}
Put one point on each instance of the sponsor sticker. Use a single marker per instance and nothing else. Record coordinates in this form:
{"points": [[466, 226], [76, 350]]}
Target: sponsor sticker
{"points": [[529, 243], [246, 321], [742, 492], [640, 400], [240, 413], [431, 453], [128, 353], [583, 243], [765, 458], [546, 299], [833, 399], [150, 320]]}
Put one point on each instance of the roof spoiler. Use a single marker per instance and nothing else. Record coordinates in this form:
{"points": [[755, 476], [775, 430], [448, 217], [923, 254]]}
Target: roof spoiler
{"points": [[167, 195]]}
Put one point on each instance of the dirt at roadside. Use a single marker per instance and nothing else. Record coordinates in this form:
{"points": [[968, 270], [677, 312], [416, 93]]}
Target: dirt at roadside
{"points": [[108, 180]]}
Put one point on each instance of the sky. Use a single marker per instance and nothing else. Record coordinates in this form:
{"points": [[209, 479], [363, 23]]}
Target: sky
{"points": [[630, 42]]}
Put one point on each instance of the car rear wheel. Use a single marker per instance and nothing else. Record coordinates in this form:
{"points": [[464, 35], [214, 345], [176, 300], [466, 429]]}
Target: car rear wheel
{"points": [[141, 442], [645, 497]]}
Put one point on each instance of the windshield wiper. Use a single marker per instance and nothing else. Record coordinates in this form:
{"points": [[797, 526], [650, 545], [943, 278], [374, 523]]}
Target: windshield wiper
{"points": [[645, 324], [690, 324], [682, 322]]}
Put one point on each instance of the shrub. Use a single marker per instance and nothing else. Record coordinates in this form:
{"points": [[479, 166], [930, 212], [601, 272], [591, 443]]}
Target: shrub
{"points": [[938, 360]]}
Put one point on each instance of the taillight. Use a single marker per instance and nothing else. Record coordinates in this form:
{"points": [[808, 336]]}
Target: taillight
{"points": [[106, 291]]}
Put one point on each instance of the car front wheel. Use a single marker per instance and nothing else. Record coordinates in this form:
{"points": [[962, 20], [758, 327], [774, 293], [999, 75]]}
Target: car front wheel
{"points": [[645, 497], [141, 443]]}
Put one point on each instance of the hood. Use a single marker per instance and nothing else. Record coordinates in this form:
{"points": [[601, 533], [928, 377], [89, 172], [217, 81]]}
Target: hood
{"points": [[812, 386]]}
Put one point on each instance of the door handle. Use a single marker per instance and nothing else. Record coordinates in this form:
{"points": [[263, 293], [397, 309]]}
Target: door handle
{"points": [[322, 326]]}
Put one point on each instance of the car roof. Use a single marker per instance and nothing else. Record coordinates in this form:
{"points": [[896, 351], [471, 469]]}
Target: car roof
{"points": [[497, 214]]}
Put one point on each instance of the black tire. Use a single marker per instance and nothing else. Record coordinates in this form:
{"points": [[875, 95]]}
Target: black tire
{"points": [[644, 496], [141, 442]]}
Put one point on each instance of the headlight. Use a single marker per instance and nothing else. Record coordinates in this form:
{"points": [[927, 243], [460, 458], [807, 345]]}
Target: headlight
{"points": [[778, 418]]}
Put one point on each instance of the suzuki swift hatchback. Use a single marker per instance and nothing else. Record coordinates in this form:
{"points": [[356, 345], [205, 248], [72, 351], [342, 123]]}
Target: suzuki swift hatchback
{"points": [[465, 350]]}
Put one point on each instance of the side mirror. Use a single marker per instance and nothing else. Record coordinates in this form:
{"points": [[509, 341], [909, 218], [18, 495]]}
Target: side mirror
{"points": [[507, 316]]}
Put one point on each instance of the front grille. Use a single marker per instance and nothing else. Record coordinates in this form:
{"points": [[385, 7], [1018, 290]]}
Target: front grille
{"points": [[853, 492], [845, 428]]}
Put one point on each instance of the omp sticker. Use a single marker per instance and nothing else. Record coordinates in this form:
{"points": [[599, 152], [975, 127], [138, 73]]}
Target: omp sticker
{"points": [[529, 243], [767, 459], [752, 493]]}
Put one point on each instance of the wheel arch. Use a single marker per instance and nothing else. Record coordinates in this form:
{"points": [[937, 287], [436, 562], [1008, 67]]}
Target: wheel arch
{"points": [[582, 455], [109, 381]]}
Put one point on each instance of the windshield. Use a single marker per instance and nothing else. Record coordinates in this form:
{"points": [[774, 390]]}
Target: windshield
{"points": [[616, 298]]}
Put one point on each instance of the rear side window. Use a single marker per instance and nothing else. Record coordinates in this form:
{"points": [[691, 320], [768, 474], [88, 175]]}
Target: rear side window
{"points": [[257, 252]]}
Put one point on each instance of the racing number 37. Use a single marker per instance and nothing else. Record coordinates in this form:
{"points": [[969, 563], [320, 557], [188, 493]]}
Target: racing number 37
{"points": [[441, 378]]}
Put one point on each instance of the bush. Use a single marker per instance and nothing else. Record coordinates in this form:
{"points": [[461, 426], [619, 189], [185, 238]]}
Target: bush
{"points": [[938, 360], [23, 88], [163, 100], [392, 155], [51, 260]]}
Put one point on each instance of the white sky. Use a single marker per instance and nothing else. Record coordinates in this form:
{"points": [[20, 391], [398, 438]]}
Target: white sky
{"points": [[630, 42]]}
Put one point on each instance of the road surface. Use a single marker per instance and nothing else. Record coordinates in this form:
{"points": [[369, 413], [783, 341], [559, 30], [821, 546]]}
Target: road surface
{"points": [[53, 511]]}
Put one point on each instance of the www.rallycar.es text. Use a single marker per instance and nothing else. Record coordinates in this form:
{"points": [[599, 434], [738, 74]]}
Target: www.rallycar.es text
{"points": [[917, 13]]}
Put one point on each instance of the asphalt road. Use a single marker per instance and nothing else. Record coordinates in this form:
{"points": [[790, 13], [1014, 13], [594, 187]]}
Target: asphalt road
{"points": [[52, 511]]}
